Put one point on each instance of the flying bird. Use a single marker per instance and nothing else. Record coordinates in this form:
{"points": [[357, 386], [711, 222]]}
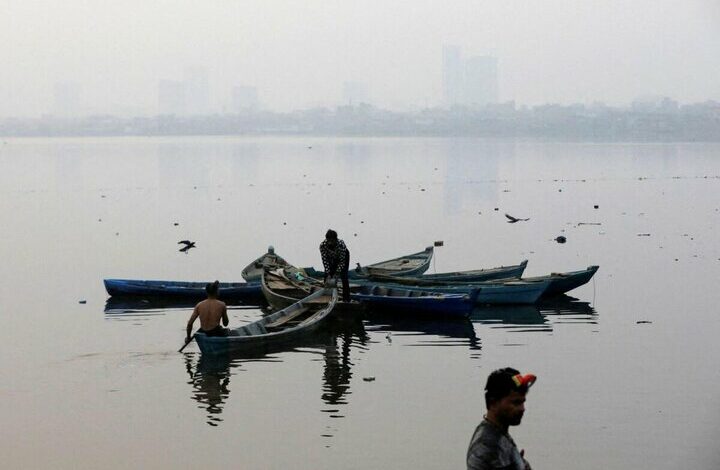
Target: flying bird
{"points": [[512, 220], [188, 244]]}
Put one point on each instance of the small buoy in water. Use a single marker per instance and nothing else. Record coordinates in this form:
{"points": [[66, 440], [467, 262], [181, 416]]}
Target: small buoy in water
{"points": [[83, 302], [560, 239], [368, 379], [284, 223], [175, 224], [596, 206], [497, 208]]}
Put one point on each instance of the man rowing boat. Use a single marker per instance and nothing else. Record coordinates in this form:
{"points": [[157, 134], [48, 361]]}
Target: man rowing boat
{"points": [[211, 311]]}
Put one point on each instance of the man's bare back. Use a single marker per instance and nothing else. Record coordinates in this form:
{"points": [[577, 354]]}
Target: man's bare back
{"points": [[210, 312]]}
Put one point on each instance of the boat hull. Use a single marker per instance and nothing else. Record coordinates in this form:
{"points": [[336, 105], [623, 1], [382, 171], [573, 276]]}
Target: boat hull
{"points": [[236, 291]]}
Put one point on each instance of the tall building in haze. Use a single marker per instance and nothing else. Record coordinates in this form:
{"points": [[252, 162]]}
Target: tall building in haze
{"points": [[197, 90], [171, 97], [452, 75], [245, 98], [481, 80], [468, 82]]}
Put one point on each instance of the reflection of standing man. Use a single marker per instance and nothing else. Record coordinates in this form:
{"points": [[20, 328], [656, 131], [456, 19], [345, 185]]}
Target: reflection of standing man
{"points": [[336, 259], [491, 447]]}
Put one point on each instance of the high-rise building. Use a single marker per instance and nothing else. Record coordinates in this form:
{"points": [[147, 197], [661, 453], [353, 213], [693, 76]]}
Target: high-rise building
{"points": [[245, 98], [481, 80], [355, 93], [452, 75], [197, 90], [171, 97], [67, 99]]}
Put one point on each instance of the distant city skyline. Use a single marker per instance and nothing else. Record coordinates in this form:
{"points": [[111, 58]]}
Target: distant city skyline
{"points": [[78, 57]]}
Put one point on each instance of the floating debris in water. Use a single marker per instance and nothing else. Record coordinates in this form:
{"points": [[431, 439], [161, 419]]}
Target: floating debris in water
{"points": [[560, 239], [82, 301], [368, 379], [589, 223], [643, 234], [362, 221], [99, 220], [512, 220], [438, 243], [640, 322], [354, 234], [559, 190], [596, 206], [284, 223], [422, 189], [497, 209], [102, 196], [175, 224]]}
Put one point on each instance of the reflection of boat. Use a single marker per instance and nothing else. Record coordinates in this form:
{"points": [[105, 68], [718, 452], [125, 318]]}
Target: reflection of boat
{"points": [[555, 310], [180, 289], [457, 328], [508, 314], [477, 275], [408, 265], [291, 322]]}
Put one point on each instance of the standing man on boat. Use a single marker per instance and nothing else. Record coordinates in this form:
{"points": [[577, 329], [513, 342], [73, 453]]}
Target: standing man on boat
{"points": [[336, 260], [211, 311], [491, 447]]}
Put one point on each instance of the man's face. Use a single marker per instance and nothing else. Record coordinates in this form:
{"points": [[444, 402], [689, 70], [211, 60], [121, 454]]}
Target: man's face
{"points": [[510, 409]]}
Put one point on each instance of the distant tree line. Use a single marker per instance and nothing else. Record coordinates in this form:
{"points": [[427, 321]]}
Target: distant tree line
{"points": [[658, 121]]}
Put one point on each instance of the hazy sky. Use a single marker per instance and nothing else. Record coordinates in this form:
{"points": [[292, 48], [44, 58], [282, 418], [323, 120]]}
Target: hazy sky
{"points": [[299, 53]]}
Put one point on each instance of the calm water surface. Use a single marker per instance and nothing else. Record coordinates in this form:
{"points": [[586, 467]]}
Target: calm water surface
{"points": [[101, 385]]}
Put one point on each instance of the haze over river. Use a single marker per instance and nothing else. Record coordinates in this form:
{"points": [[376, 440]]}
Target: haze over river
{"points": [[627, 373]]}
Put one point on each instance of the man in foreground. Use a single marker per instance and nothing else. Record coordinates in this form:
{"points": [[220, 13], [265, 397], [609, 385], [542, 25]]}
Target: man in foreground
{"points": [[336, 260], [491, 447], [210, 311]]}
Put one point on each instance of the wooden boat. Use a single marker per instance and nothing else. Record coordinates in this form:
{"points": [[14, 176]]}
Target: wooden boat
{"points": [[280, 290], [477, 275], [560, 283], [239, 291], [488, 293], [399, 300], [301, 318], [409, 265], [253, 271]]}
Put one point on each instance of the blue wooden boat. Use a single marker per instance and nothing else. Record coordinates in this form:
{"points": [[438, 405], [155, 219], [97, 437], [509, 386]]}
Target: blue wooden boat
{"points": [[488, 293], [413, 264], [397, 299], [299, 319], [476, 275], [560, 283], [240, 291], [280, 290]]}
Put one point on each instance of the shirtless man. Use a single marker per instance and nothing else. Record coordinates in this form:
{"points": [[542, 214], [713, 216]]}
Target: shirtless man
{"points": [[210, 311]]}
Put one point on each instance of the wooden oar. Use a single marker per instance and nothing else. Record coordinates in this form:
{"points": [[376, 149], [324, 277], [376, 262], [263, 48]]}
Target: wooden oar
{"points": [[186, 343]]}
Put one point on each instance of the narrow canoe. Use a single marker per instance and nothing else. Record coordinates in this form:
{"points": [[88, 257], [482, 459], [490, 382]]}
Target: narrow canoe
{"points": [[413, 264], [477, 275], [301, 318], [180, 289]]}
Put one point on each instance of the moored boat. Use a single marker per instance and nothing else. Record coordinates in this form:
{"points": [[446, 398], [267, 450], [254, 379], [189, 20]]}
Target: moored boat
{"points": [[476, 275], [560, 283], [399, 300], [301, 318], [253, 271], [413, 264], [240, 291]]}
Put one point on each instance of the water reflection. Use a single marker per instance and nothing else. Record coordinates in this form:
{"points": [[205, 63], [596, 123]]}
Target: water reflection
{"points": [[539, 317], [119, 308], [210, 376], [427, 331]]}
